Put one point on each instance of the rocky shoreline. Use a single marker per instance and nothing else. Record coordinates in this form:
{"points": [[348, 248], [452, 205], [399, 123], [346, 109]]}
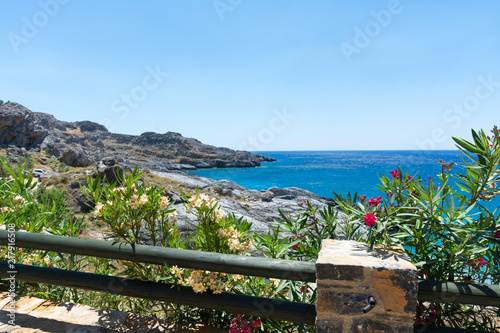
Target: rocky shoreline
{"points": [[84, 143], [258, 207], [261, 208]]}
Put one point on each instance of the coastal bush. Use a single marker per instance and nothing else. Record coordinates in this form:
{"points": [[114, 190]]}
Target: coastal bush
{"points": [[19, 210], [443, 223], [26, 162], [139, 214]]}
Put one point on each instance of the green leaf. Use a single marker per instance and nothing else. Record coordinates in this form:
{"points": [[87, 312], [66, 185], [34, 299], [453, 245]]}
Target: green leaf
{"points": [[468, 146]]}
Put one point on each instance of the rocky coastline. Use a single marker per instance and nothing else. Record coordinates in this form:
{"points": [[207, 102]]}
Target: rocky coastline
{"points": [[83, 143], [86, 144], [259, 207]]}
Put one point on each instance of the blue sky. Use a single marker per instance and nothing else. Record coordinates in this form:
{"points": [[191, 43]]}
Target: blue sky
{"points": [[260, 75]]}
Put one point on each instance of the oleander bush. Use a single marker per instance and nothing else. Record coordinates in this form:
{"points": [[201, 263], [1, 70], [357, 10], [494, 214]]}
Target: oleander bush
{"points": [[444, 222]]}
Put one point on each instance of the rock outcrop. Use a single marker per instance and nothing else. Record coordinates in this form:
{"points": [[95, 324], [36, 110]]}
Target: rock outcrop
{"points": [[75, 157], [83, 143], [258, 207]]}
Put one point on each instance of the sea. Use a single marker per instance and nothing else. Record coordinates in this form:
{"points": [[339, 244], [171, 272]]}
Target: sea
{"points": [[323, 172]]}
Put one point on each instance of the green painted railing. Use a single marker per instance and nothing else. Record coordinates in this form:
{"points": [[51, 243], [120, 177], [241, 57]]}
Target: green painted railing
{"points": [[234, 264], [459, 292], [228, 263], [436, 291], [235, 303]]}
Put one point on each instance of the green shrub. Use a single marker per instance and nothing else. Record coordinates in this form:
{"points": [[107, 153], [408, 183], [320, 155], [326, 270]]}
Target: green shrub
{"points": [[443, 225], [26, 162]]}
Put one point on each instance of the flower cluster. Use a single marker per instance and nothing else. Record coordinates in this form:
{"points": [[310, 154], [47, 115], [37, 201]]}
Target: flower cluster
{"points": [[122, 190], [19, 200], [476, 263], [242, 325], [394, 173], [374, 201], [234, 240], [35, 258], [163, 202], [370, 219], [199, 280], [201, 200], [298, 236], [136, 201], [99, 208], [6, 209]]}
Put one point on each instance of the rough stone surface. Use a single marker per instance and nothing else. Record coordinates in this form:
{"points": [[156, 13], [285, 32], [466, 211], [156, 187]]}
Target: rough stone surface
{"points": [[348, 273], [21, 127], [267, 196], [77, 200], [108, 170], [342, 303], [76, 158], [330, 326], [368, 325]]}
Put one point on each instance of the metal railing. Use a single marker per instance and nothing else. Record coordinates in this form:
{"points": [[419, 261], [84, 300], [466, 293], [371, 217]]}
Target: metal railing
{"points": [[233, 264], [435, 291]]}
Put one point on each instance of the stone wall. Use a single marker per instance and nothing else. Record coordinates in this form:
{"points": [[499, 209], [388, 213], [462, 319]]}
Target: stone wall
{"points": [[349, 273]]}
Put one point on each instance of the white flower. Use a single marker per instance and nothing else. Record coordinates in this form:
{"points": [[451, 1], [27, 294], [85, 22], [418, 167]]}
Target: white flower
{"points": [[199, 288], [19, 199], [98, 209], [144, 199], [164, 201]]}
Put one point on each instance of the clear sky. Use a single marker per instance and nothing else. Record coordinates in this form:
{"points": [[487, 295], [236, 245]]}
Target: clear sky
{"points": [[260, 74]]}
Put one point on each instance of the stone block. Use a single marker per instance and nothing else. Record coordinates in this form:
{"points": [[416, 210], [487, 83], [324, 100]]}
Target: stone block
{"points": [[349, 272], [351, 304], [330, 326], [368, 325]]}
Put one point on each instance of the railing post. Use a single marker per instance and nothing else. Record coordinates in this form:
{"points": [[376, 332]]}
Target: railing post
{"points": [[362, 290]]}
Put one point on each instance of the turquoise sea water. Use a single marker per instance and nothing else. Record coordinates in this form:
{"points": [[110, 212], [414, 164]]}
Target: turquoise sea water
{"points": [[322, 172]]}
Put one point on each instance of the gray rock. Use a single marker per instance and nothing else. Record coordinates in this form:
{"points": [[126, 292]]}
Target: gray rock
{"points": [[176, 197], [290, 193], [108, 170], [49, 145], [75, 157], [77, 200], [189, 179], [267, 196], [162, 152]]}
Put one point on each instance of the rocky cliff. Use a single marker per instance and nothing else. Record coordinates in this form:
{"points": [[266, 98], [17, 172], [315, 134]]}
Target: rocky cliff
{"points": [[82, 143]]}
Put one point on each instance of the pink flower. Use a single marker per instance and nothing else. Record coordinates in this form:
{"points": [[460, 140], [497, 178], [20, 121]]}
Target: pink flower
{"points": [[370, 219], [481, 261], [256, 324], [80, 231], [362, 197], [296, 246], [394, 174], [497, 234], [467, 278], [374, 202]]}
